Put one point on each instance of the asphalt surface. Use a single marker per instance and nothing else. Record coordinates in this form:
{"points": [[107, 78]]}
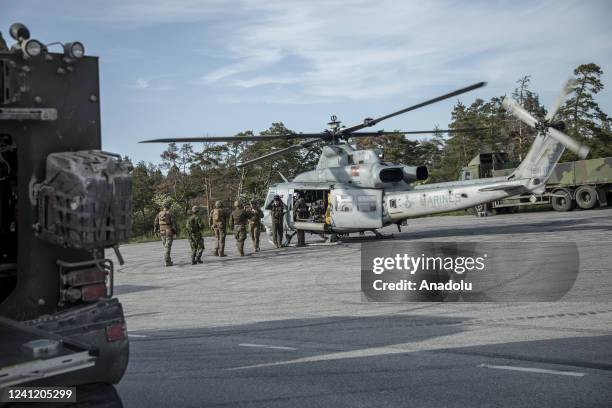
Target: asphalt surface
{"points": [[289, 327]]}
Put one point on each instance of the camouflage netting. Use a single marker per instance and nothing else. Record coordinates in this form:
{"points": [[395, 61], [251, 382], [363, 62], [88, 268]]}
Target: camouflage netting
{"points": [[85, 200]]}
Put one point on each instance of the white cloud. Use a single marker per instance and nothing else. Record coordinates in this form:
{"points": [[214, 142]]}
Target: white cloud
{"points": [[375, 49], [309, 50], [157, 83], [142, 83]]}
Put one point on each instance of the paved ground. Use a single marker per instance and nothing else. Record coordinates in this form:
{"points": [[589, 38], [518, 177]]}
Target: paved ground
{"points": [[288, 328]]}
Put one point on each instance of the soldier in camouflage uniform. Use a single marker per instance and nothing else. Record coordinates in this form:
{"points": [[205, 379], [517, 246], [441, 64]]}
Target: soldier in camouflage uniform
{"points": [[300, 213], [165, 226], [218, 222], [277, 210], [255, 216], [195, 226], [238, 223]]}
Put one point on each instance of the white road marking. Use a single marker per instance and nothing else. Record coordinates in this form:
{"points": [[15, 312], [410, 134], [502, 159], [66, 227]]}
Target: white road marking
{"points": [[266, 346], [137, 335], [465, 338], [534, 370]]}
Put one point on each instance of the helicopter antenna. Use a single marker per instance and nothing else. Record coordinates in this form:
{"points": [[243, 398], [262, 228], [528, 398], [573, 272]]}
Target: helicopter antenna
{"points": [[283, 177]]}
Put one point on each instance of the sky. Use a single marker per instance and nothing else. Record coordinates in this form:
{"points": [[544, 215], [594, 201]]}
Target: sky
{"points": [[185, 68]]}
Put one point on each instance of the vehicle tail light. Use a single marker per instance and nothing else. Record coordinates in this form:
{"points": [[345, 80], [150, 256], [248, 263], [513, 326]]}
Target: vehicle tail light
{"points": [[86, 281], [93, 292], [116, 332]]}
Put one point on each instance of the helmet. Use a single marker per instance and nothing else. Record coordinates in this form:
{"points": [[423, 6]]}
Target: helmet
{"points": [[195, 209], [237, 203], [167, 203], [277, 197], [253, 202], [218, 204]]}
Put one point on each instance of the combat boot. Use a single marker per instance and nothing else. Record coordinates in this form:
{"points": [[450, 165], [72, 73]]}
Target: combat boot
{"points": [[199, 260], [169, 263], [193, 261]]}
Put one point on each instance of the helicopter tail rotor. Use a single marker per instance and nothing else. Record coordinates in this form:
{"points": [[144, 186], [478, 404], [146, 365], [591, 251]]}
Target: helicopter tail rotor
{"points": [[545, 128], [547, 147]]}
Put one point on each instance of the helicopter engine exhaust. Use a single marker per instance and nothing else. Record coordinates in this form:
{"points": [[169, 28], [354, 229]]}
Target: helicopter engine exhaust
{"points": [[408, 174], [391, 175], [414, 173]]}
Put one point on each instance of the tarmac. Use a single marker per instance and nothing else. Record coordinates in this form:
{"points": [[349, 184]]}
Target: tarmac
{"points": [[289, 327]]}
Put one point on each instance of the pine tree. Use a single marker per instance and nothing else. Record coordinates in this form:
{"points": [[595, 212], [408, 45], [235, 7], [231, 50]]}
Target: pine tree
{"points": [[583, 118]]}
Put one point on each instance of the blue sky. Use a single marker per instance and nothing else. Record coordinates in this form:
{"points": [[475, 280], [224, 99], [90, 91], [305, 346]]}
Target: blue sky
{"points": [[208, 67]]}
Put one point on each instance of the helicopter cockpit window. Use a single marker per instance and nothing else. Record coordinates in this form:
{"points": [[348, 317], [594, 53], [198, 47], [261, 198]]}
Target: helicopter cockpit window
{"points": [[366, 203], [344, 203]]}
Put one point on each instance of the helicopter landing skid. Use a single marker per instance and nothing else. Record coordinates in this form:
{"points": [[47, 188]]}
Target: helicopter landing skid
{"points": [[347, 238], [382, 236]]}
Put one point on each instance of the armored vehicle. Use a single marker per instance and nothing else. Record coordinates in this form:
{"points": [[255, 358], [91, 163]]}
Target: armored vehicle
{"points": [[585, 183], [63, 202]]}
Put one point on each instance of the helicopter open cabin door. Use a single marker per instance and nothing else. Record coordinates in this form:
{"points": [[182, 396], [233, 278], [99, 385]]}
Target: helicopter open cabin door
{"points": [[356, 208]]}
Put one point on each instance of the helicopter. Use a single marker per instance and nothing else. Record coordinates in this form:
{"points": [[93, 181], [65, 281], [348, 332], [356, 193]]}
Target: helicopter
{"points": [[357, 191]]}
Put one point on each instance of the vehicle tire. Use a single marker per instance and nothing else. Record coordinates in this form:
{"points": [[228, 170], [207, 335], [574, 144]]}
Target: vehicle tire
{"points": [[564, 203], [586, 197]]}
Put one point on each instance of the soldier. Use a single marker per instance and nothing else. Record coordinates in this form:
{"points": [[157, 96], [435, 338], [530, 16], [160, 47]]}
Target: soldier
{"points": [[300, 213], [238, 223], [165, 225], [218, 222], [255, 216], [195, 226], [317, 211], [277, 209]]}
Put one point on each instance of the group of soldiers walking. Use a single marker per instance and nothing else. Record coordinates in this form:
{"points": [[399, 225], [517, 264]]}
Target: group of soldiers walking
{"points": [[241, 220]]}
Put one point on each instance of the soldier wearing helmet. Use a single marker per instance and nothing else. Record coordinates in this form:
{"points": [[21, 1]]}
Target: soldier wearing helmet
{"points": [[218, 222], [255, 216], [238, 223], [277, 210], [195, 227], [165, 226]]}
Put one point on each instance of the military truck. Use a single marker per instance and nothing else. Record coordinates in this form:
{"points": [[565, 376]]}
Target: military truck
{"points": [[584, 183], [63, 202]]}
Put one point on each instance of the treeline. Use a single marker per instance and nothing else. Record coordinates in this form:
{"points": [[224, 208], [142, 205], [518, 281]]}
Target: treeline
{"points": [[200, 175]]}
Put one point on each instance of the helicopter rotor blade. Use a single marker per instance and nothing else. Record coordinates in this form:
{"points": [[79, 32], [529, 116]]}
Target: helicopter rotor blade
{"points": [[517, 110], [416, 132], [567, 89], [233, 139], [372, 122], [578, 148], [279, 152]]}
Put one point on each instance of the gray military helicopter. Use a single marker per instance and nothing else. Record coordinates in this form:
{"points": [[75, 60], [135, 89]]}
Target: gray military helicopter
{"points": [[358, 191]]}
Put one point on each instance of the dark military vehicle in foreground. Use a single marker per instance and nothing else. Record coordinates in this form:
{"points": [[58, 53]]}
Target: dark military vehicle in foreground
{"points": [[63, 203]]}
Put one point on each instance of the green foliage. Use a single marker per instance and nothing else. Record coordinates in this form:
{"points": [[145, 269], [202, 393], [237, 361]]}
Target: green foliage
{"points": [[582, 115]]}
